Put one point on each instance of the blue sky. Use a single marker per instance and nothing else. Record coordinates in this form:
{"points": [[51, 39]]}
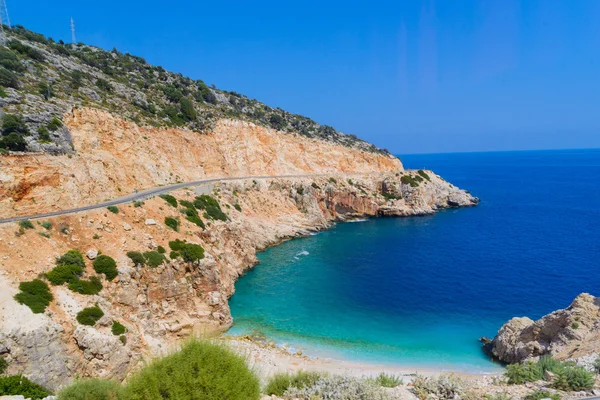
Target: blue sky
{"points": [[411, 76]]}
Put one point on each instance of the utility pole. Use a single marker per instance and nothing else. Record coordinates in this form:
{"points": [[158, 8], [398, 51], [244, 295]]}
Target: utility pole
{"points": [[73, 41], [4, 20]]}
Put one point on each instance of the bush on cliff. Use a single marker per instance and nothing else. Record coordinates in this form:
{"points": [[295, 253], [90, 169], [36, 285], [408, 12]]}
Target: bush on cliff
{"points": [[154, 258], [71, 257], [106, 265], [91, 389], [211, 206], [3, 365], [86, 287], [118, 328], [542, 394], [172, 223], [169, 199], [35, 295], [199, 371], [137, 258], [18, 385], [192, 252], [62, 274], [89, 316]]}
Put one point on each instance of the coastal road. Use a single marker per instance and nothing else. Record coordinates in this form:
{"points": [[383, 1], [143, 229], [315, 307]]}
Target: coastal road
{"points": [[145, 194]]}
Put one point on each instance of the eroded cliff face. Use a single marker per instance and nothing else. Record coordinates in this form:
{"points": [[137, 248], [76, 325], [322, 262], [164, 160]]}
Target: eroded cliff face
{"points": [[161, 305], [572, 333], [114, 157]]}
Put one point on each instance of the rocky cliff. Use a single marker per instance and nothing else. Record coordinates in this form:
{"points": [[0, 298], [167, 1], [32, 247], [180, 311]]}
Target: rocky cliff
{"points": [[114, 157], [572, 333], [160, 305]]}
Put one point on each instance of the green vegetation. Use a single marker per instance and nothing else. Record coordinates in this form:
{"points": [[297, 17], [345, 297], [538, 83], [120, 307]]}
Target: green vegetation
{"points": [[13, 130], [281, 382], [160, 98], [172, 223], [34, 294], [388, 381], [3, 365], [424, 174], [169, 199], [46, 225], [54, 124], [568, 375], [154, 258], [71, 257], [89, 316], [174, 255], [192, 252], [161, 250], [211, 206], [542, 394], [575, 325], [89, 287], [136, 257], [26, 224], [106, 265], [390, 196], [191, 213], [19, 385], [332, 180], [412, 180], [315, 186], [118, 329], [64, 273], [113, 209], [441, 387], [91, 389], [237, 207], [201, 370]]}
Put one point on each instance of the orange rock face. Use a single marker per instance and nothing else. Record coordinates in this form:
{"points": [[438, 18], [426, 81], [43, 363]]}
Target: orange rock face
{"points": [[114, 157]]}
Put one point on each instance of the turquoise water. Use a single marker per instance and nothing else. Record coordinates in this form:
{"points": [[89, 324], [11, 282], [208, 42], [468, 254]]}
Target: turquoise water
{"points": [[420, 291]]}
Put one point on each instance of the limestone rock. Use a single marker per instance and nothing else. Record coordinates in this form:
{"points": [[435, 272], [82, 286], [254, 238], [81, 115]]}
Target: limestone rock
{"points": [[150, 221], [568, 333], [126, 226], [92, 254]]}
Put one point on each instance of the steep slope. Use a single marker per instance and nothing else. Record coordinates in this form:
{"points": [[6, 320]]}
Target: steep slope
{"points": [[114, 157]]}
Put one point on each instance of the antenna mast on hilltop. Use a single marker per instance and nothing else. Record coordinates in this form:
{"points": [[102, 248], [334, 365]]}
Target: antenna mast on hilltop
{"points": [[72, 30], [4, 20]]}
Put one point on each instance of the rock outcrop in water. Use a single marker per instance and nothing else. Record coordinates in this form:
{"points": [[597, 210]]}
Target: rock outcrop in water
{"points": [[572, 333]]}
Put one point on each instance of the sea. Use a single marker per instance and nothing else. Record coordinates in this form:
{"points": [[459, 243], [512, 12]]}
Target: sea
{"points": [[420, 291]]}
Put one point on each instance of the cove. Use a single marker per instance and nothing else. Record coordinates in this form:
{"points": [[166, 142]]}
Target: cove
{"points": [[420, 291]]}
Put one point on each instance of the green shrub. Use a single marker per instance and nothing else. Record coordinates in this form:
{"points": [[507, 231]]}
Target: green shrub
{"points": [[91, 389], [54, 124], [237, 207], [332, 180], [200, 370], [192, 252], [172, 223], [315, 186], [187, 109], [26, 224], [12, 123], [154, 258], [174, 255], [35, 295], [89, 316], [90, 287], [388, 381], [161, 250], [8, 78], [3, 365], [176, 244], [281, 382], [106, 265], [19, 385], [169, 199], [66, 273], [542, 394], [518, 374], [118, 329], [136, 257], [441, 387], [13, 142], [71, 257], [573, 378], [424, 174], [113, 209], [575, 325], [46, 225], [211, 206], [597, 365], [104, 85], [195, 219]]}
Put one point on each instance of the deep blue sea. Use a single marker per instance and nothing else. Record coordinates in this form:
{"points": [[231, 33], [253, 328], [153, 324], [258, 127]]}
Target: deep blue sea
{"points": [[420, 291]]}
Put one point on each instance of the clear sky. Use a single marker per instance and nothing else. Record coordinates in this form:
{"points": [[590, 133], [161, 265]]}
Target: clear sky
{"points": [[411, 76]]}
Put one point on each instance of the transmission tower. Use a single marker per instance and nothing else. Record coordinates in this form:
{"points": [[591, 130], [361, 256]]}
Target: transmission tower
{"points": [[72, 30], [4, 20]]}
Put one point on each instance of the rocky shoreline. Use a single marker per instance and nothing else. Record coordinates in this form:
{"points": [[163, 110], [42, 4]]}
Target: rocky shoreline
{"points": [[162, 305]]}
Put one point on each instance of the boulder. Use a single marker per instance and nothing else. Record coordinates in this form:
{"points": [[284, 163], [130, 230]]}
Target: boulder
{"points": [[92, 254]]}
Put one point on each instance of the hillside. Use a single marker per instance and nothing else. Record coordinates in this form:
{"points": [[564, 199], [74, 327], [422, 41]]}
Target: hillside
{"points": [[41, 80]]}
